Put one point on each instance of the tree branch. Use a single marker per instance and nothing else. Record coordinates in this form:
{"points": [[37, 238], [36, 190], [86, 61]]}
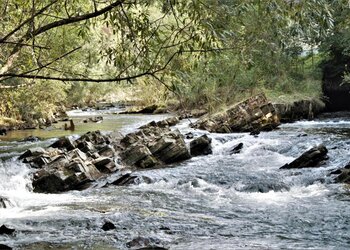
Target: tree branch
{"points": [[27, 21]]}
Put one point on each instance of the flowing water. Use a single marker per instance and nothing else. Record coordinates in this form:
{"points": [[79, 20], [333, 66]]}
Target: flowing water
{"points": [[220, 201]]}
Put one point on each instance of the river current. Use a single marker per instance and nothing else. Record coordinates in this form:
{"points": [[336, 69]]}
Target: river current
{"points": [[219, 201]]}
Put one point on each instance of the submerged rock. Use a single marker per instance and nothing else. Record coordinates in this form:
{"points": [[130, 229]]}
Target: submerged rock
{"points": [[253, 114], [201, 146], [312, 158]]}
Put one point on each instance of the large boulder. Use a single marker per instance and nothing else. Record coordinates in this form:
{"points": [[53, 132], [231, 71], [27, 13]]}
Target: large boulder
{"points": [[153, 146], [312, 158], [253, 114]]}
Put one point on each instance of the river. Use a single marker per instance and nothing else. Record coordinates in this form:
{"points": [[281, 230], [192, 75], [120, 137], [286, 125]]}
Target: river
{"points": [[220, 201]]}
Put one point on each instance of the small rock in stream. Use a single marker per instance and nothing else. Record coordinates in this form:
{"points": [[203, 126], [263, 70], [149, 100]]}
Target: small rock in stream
{"points": [[236, 149], [108, 226], [201, 146], [5, 230]]}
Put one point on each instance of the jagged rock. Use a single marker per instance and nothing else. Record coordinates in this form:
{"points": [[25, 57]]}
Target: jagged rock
{"points": [[124, 179], [33, 152], [201, 146], [169, 122], [94, 137], [105, 165], [107, 151], [236, 149], [172, 148], [86, 146], [107, 226], [135, 153], [314, 157], [76, 154], [64, 142], [255, 113], [5, 230]]}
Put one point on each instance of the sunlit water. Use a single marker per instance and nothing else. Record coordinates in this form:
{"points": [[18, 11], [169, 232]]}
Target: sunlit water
{"points": [[220, 201]]}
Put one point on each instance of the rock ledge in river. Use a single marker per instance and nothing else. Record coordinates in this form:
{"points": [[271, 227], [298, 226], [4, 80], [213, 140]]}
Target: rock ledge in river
{"points": [[314, 157], [253, 114]]}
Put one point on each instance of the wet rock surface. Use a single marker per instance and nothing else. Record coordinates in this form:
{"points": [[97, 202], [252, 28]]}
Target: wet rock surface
{"points": [[314, 157], [6, 230], [342, 175], [69, 164], [201, 146], [253, 114]]}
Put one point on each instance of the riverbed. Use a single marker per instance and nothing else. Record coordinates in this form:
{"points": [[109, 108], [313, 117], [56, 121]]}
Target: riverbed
{"points": [[219, 201]]}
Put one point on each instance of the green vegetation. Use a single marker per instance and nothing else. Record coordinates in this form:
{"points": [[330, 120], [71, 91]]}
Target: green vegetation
{"points": [[202, 53]]}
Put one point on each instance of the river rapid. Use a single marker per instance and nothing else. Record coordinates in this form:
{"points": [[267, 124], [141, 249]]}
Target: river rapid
{"points": [[219, 201]]}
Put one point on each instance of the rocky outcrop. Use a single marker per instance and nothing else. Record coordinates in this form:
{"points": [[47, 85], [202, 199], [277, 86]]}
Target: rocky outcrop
{"points": [[253, 114], [301, 109], [75, 164], [70, 165], [201, 146], [314, 157], [153, 146]]}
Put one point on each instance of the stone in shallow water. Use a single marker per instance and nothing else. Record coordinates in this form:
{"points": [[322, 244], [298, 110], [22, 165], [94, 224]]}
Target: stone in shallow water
{"points": [[5, 230], [237, 148], [201, 146], [314, 157], [107, 226]]}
